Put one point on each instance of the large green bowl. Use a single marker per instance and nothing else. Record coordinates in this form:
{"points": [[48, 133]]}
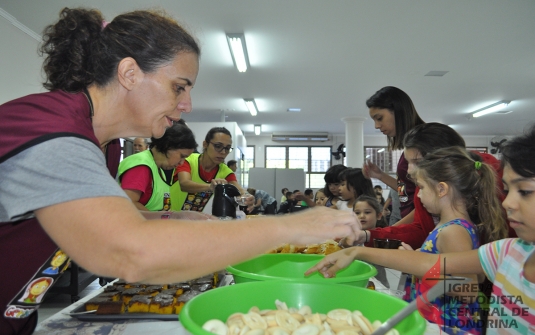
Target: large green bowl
{"points": [[291, 267], [221, 302]]}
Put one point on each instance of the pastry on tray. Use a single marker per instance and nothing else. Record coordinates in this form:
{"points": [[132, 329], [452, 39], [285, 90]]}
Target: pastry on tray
{"points": [[104, 306], [139, 304], [122, 297]]}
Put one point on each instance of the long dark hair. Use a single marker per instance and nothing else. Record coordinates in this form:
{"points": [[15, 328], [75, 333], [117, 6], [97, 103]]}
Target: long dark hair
{"points": [[400, 104], [179, 136], [360, 184], [331, 177], [81, 49]]}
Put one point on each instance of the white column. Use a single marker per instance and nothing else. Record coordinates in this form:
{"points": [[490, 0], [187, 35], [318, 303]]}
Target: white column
{"points": [[354, 141]]}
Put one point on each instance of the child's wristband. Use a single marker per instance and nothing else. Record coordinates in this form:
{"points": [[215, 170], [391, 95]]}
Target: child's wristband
{"points": [[366, 234]]}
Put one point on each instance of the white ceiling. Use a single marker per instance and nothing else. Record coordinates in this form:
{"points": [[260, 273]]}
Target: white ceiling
{"points": [[328, 57]]}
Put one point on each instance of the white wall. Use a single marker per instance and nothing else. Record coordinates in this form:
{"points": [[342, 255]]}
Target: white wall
{"points": [[260, 143], [20, 65]]}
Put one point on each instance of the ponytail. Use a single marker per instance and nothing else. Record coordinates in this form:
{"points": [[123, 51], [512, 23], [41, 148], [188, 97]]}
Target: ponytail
{"points": [[472, 181], [68, 45], [491, 222]]}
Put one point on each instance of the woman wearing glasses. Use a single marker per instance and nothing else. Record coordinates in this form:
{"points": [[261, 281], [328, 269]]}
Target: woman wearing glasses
{"points": [[146, 177], [200, 173]]}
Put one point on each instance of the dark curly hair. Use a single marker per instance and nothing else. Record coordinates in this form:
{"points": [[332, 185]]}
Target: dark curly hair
{"points": [[81, 49], [179, 136]]}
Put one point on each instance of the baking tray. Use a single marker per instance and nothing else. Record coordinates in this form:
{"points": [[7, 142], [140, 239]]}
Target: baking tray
{"points": [[123, 316], [226, 280]]}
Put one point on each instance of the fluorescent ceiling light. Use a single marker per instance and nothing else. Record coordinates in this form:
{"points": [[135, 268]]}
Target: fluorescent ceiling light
{"points": [[294, 110], [381, 150], [251, 105], [238, 50], [257, 129], [496, 107]]}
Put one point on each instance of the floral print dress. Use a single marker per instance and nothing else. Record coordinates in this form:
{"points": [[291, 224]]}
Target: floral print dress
{"points": [[456, 312]]}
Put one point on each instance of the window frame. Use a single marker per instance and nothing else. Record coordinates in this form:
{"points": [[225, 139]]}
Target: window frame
{"points": [[309, 171]]}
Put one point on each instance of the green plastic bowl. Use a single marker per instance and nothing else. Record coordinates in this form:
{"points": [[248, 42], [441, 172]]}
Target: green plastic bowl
{"points": [[221, 302], [291, 267]]}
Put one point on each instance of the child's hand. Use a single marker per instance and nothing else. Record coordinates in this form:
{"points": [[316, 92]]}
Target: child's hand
{"points": [[333, 263]]}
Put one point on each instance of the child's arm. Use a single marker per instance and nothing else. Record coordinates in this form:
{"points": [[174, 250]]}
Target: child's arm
{"points": [[455, 238], [417, 263]]}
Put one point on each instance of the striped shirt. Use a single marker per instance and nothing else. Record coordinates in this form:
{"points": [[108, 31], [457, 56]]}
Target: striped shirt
{"points": [[512, 305]]}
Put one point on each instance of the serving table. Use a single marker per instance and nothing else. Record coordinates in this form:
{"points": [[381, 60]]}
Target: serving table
{"points": [[62, 323]]}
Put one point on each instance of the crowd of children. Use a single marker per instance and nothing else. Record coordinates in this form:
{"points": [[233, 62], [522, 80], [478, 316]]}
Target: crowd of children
{"points": [[461, 191]]}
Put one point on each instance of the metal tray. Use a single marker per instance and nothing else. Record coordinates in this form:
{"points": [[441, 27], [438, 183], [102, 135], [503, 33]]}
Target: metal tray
{"points": [[226, 280], [123, 316]]}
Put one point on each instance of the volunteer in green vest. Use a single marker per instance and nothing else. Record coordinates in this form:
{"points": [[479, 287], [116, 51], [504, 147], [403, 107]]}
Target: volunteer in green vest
{"points": [[146, 177], [200, 173]]}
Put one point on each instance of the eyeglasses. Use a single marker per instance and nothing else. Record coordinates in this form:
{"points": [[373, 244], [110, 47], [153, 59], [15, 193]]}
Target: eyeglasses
{"points": [[220, 147]]}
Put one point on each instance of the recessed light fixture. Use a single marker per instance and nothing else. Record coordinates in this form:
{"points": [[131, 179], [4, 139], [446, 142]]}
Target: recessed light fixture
{"points": [[238, 50], [436, 73], [294, 110], [495, 107], [257, 129], [251, 105]]}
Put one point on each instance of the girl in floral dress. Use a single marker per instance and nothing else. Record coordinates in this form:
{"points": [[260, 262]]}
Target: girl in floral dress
{"points": [[462, 191]]}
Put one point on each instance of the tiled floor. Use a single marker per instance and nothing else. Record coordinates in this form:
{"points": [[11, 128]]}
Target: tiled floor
{"points": [[56, 302]]}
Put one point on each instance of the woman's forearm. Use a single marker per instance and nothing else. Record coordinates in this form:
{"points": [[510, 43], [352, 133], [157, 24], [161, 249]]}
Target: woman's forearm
{"points": [[123, 244], [193, 187], [389, 180]]}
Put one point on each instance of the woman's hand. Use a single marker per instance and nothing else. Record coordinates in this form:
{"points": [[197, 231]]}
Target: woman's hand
{"points": [[361, 239], [334, 262], [318, 224], [216, 182], [370, 170]]}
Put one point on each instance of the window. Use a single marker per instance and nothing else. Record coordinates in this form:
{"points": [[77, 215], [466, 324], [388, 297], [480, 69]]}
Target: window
{"points": [[246, 163], [313, 160], [275, 157], [386, 160]]}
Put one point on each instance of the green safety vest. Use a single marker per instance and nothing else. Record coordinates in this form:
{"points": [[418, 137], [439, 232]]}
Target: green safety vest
{"points": [[181, 200], [160, 199]]}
